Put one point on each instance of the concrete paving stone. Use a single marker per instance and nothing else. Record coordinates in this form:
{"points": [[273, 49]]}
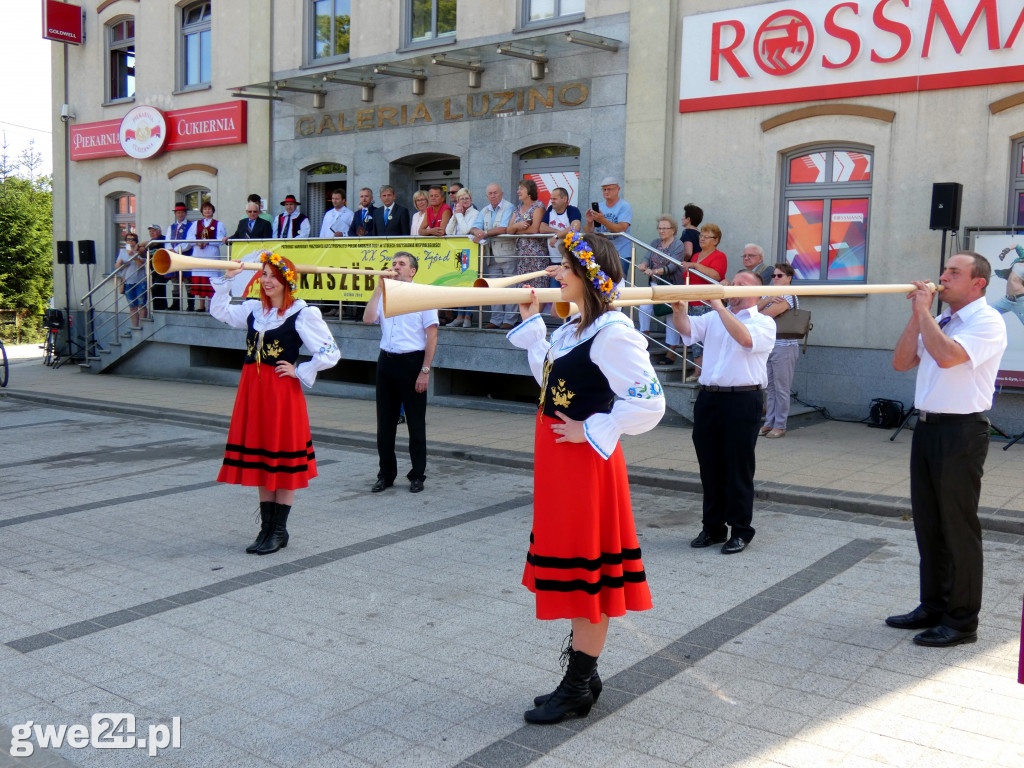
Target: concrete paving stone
{"points": [[936, 759], [967, 744], [795, 753], [888, 751], [377, 746]]}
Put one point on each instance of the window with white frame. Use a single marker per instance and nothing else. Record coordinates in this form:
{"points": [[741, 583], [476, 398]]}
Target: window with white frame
{"points": [[195, 45], [193, 198], [1016, 214], [535, 11], [431, 19], [331, 20], [826, 206], [121, 59]]}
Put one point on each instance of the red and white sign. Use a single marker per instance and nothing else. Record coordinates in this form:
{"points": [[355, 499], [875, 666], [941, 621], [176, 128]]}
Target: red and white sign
{"points": [[211, 126], [806, 50], [142, 132], [62, 22]]}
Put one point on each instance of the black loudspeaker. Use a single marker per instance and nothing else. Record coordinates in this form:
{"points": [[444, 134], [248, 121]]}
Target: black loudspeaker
{"points": [[946, 198], [65, 254], [86, 251]]}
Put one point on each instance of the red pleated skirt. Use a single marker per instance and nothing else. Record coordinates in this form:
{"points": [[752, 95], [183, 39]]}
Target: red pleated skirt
{"points": [[269, 443], [584, 558]]}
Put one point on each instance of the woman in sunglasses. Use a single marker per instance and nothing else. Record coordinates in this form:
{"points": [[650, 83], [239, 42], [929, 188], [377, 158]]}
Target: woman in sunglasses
{"points": [[782, 360]]}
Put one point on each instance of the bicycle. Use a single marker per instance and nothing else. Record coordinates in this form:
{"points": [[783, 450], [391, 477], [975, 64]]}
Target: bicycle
{"points": [[53, 320]]}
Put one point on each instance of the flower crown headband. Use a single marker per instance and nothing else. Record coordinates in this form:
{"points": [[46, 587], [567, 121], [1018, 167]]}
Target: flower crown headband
{"points": [[282, 267], [578, 247]]}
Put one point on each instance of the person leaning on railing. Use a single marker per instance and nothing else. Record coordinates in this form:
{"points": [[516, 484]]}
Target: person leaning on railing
{"points": [[661, 270], [531, 252], [711, 263], [463, 217], [133, 277]]}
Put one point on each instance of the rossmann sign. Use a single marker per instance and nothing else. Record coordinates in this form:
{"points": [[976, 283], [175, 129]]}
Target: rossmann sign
{"points": [[807, 50]]}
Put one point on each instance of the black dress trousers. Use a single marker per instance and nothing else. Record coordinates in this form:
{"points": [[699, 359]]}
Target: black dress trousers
{"points": [[725, 428], [396, 387], [946, 464]]}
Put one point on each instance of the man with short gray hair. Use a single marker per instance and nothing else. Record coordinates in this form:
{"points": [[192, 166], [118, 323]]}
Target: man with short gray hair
{"points": [[500, 252], [753, 259]]}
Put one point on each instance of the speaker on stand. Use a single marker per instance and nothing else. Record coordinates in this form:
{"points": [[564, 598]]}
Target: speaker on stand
{"points": [[66, 256], [945, 214], [87, 256]]}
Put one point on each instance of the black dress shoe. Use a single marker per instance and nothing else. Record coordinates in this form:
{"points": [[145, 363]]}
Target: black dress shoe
{"points": [[415, 486], [381, 485], [919, 618], [705, 539], [944, 637], [734, 545]]}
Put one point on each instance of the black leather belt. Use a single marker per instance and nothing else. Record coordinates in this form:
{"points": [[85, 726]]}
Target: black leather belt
{"points": [[949, 418], [716, 388], [401, 354]]}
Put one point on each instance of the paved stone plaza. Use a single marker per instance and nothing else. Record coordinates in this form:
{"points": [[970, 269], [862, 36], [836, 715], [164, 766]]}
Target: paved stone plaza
{"points": [[393, 629]]}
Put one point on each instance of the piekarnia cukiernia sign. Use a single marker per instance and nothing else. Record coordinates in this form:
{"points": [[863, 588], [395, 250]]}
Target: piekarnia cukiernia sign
{"points": [[472, 106]]}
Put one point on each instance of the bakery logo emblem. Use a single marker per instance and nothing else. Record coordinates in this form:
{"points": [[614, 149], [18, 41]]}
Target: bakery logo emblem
{"points": [[560, 396], [143, 132], [783, 42]]}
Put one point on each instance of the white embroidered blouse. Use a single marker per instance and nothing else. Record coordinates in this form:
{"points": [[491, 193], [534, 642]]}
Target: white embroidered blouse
{"points": [[316, 336], [621, 354]]}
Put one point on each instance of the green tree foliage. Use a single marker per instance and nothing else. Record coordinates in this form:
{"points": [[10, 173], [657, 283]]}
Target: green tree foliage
{"points": [[26, 237]]}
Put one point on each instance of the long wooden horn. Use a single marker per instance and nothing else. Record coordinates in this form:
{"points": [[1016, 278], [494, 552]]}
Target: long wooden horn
{"points": [[669, 293], [401, 298], [506, 282], [664, 294], [165, 262]]}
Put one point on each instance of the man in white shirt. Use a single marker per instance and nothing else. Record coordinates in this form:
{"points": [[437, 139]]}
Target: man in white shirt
{"points": [[407, 346], [291, 224], [737, 341], [338, 219], [957, 357], [500, 253]]}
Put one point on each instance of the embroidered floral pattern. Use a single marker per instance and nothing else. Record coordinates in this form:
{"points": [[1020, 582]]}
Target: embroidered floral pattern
{"points": [[646, 390]]}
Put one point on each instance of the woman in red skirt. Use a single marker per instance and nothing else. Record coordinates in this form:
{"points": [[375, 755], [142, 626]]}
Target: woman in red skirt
{"points": [[596, 383], [269, 444]]}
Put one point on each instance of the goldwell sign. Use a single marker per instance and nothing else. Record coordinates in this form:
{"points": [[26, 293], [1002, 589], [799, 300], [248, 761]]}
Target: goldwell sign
{"points": [[822, 49]]}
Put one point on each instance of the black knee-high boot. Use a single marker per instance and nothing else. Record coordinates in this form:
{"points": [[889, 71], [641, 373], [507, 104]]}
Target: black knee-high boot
{"points": [[572, 696], [266, 523], [278, 537], [596, 686]]}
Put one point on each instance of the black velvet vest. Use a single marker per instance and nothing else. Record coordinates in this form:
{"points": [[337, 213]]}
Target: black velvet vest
{"points": [[574, 385], [282, 343]]}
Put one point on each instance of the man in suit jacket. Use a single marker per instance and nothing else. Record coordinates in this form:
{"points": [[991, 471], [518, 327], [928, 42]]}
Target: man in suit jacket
{"points": [[362, 220], [252, 227], [390, 219]]}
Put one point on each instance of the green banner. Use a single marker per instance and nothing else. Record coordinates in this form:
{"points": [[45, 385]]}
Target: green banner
{"points": [[442, 261]]}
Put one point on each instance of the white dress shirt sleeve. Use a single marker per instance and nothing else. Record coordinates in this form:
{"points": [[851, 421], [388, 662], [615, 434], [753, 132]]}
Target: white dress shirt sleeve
{"points": [[221, 308], [621, 354], [325, 227], [531, 335], [304, 228], [319, 340]]}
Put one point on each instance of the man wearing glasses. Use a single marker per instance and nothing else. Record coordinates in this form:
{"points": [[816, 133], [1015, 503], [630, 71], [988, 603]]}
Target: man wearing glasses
{"points": [[753, 259], [252, 227]]}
